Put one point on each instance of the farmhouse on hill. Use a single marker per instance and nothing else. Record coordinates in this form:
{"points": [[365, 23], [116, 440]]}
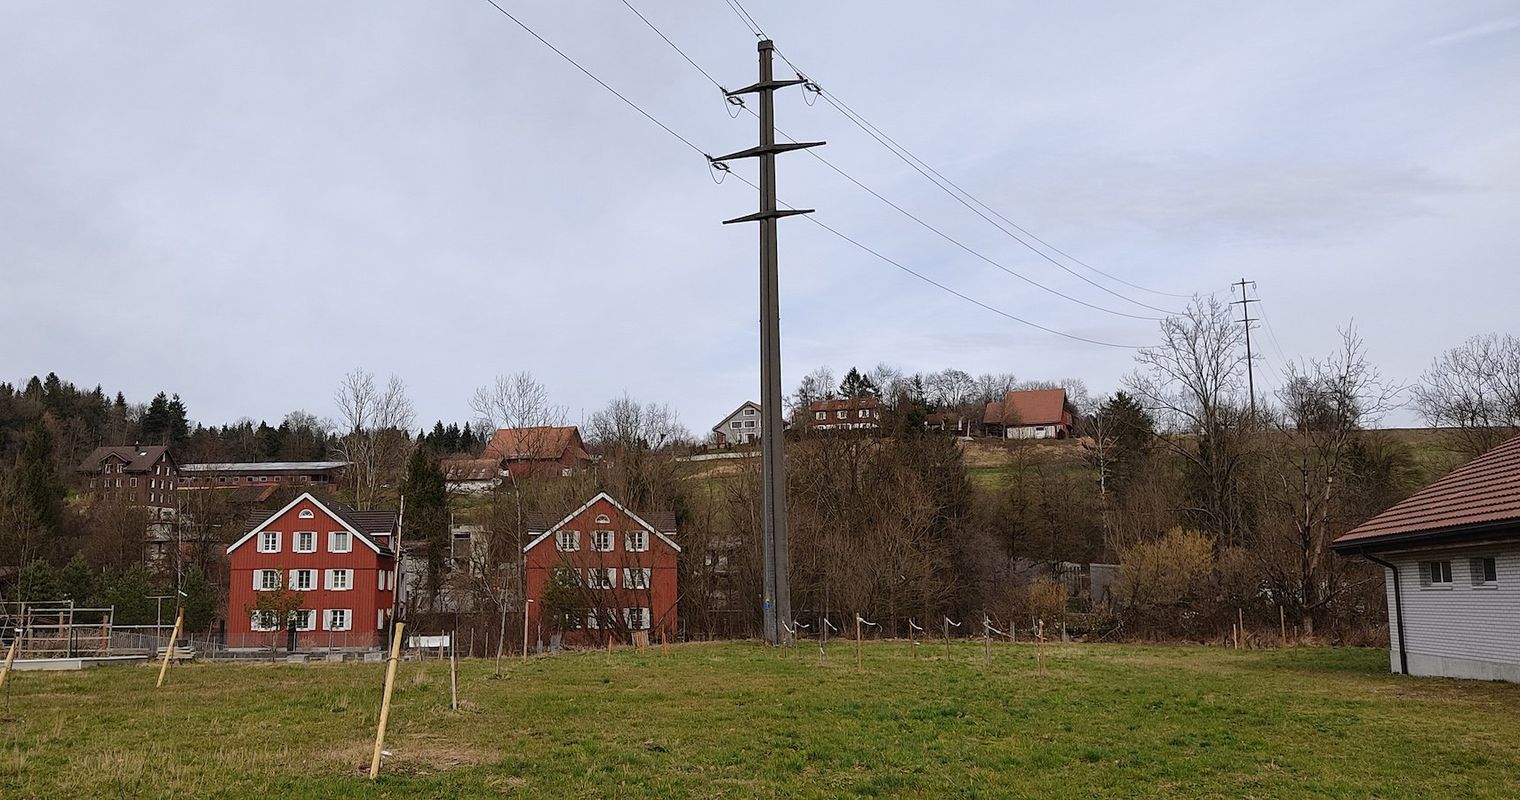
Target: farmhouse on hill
{"points": [[1030, 414], [1451, 558], [539, 452], [742, 426], [850, 413], [602, 571], [340, 562], [471, 475]]}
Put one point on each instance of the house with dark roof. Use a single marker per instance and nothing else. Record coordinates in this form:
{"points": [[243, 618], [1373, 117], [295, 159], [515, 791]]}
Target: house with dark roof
{"points": [[741, 426], [340, 562], [543, 451], [1450, 555], [137, 476], [602, 571], [1030, 414], [843, 414]]}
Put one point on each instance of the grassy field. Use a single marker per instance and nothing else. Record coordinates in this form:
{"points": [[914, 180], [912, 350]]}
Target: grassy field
{"points": [[737, 720]]}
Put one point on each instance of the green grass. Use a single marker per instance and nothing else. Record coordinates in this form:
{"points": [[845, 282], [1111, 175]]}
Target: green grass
{"points": [[738, 720]]}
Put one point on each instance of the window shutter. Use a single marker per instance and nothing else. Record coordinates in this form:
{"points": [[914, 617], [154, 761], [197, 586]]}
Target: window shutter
{"points": [[1424, 573], [257, 584]]}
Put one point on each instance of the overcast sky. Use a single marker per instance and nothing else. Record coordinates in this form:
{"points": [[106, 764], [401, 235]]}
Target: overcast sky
{"points": [[240, 202]]}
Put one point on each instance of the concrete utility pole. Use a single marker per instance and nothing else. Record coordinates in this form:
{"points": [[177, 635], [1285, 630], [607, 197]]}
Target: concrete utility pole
{"points": [[1245, 307], [778, 592]]}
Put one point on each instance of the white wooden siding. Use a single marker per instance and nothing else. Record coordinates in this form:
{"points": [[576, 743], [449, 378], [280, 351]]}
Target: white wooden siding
{"points": [[1458, 629]]}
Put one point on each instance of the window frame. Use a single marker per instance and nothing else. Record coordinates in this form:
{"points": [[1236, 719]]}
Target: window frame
{"points": [[1435, 573], [567, 541], [295, 542], [645, 582], [608, 577], [1479, 568], [330, 582], [265, 537], [260, 585], [603, 535], [296, 583], [630, 546], [328, 615], [333, 537]]}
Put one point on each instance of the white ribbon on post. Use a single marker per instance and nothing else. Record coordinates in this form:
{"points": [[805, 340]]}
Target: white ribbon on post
{"points": [[914, 625]]}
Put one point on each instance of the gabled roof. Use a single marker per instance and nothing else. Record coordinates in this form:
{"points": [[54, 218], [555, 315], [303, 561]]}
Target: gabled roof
{"points": [[470, 469], [536, 444], [664, 530], [1028, 407], [138, 459], [735, 413], [1477, 497], [364, 525]]}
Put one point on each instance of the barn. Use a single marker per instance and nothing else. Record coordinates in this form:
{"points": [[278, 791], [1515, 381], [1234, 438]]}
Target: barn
{"points": [[1450, 554]]}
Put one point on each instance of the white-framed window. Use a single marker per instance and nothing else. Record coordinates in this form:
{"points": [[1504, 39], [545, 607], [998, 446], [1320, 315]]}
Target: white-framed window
{"points": [[307, 513], [338, 580], [602, 541], [842, 413], [337, 619], [269, 541], [303, 580], [636, 541], [133, 482], [603, 519], [601, 577], [1435, 573], [636, 577], [305, 619], [305, 542], [749, 412], [636, 618], [1484, 570], [340, 542], [736, 424], [567, 541], [263, 621], [593, 621], [865, 412], [266, 580], [565, 472], [749, 424], [820, 415]]}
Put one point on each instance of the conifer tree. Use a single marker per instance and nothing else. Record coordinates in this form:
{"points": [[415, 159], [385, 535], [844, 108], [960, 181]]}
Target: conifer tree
{"points": [[427, 513]]}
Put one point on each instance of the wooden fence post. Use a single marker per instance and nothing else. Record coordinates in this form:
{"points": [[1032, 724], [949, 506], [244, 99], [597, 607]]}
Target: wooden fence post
{"points": [[385, 703]]}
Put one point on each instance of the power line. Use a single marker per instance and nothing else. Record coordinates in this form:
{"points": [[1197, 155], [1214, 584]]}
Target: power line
{"points": [[921, 170], [961, 295], [602, 83], [673, 46], [910, 215], [810, 218], [749, 22]]}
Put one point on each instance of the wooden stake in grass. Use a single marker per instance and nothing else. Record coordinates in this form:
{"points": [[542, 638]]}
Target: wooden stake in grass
{"points": [[10, 658], [1282, 623], [860, 663], [453, 671], [179, 623], [1241, 615], [664, 642], [1040, 644], [385, 703]]}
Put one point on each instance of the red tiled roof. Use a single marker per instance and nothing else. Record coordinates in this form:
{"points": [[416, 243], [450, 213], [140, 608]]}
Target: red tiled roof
{"points": [[536, 444], [1028, 407], [1480, 493]]}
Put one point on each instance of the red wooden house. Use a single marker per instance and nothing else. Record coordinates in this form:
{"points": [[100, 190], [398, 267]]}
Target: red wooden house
{"points": [[541, 452], [342, 562], [602, 570]]}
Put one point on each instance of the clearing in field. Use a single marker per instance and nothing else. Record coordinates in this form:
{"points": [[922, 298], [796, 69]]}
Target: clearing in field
{"points": [[740, 720]]}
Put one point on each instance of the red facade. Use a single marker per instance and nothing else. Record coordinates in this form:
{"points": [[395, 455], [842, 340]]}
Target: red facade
{"points": [[615, 570], [340, 561]]}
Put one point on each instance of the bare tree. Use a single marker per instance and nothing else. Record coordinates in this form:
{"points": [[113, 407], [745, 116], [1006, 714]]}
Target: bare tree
{"points": [[1475, 389], [1191, 384], [376, 430], [1326, 405], [816, 385], [515, 401]]}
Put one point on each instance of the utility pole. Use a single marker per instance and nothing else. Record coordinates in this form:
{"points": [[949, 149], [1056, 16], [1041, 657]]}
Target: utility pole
{"points": [[777, 589], [1245, 307]]}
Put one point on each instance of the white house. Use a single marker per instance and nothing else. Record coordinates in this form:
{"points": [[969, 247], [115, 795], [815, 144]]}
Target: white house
{"points": [[740, 427], [1451, 557]]}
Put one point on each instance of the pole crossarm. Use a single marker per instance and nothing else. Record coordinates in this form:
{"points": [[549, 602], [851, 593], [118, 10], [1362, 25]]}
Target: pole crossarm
{"points": [[764, 85], [761, 216], [767, 150]]}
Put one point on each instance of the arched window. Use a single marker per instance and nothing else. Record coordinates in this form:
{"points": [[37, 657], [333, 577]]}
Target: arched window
{"points": [[602, 519], [306, 513]]}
